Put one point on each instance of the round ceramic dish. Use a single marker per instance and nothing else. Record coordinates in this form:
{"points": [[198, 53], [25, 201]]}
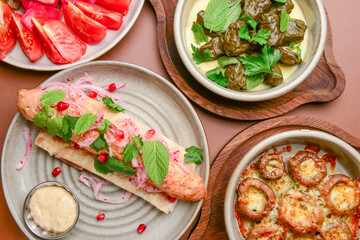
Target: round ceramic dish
{"points": [[36, 229], [151, 100], [17, 58], [316, 20], [348, 162]]}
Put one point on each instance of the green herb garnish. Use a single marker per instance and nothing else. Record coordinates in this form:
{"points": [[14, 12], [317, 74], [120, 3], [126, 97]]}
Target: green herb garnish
{"points": [[130, 152], [216, 14], [281, 1], [217, 76], [52, 97], [284, 20], [54, 125], [84, 123], [113, 165], [193, 155], [297, 47], [260, 36], [199, 33], [104, 126], [100, 143], [254, 81], [156, 160], [226, 60], [250, 21], [200, 57], [67, 126], [233, 15], [109, 103]]}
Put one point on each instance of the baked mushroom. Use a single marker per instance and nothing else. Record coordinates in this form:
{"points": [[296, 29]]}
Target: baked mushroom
{"points": [[266, 230], [255, 199], [341, 194], [336, 229], [271, 166], [300, 212], [307, 168]]}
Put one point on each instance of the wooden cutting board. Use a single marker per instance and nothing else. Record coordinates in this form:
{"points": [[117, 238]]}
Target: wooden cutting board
{"points": [[325, 84]]}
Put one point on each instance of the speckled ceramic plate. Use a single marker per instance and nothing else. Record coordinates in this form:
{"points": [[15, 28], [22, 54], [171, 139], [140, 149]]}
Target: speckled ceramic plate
{"points": [[148, 98], [17, 58]]}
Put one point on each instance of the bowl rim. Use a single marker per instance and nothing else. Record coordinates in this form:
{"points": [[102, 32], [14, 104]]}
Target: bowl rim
{"points": [[259, 147], [247, 96]]}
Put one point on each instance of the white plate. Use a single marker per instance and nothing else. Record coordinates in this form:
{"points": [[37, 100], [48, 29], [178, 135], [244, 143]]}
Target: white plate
{"points": [[17, 58], [146, 97]]}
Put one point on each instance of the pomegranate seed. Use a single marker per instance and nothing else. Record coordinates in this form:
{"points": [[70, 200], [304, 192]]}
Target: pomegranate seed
{"points": [[150, 133], [100, 217], [61, 106], [92, 94], [56, 171], [120, 134], [141, 228], [102, 158], [76, 146], [112, 87], [171, 199]]}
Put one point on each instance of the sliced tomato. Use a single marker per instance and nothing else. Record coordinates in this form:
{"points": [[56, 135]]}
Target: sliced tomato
{"points": [[65, 41], [29, 41], [85, 28], [48, 2], [110, 19], [50, 50], [7, 34], [120, 6]]}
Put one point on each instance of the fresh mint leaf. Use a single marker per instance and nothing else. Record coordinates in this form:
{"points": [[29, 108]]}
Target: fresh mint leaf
{"points": [[262, 64], [254, 81], [54, 125], [109, 103], [42, 117], [298, 50], [281, 1], [261, 36], [217, 76], [292, 45], [52, 97], [100, 143], [234, 14], [130, 152], [225, 60], [244, 33], [67, 126], [113, 165], [216, 14], [200, 57], [284, 20], [193, 155], [199, 33], [156, 160], [104, 126], [84, 123], [250, 21], [138, 141]]}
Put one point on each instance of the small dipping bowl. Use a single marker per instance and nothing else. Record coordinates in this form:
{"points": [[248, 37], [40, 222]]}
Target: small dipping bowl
{"points": [[29, 220]]}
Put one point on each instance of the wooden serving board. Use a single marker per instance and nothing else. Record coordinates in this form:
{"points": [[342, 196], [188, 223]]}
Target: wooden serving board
{"points": [[326, 82], [212, 224]]}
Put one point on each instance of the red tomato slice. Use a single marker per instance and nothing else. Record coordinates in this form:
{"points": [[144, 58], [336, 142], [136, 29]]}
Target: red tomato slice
{"points": [[85, 28], [121, 6], [110, 19], [50, 50], [48, 2], [66, 42], [29, 41], [7, 34]]}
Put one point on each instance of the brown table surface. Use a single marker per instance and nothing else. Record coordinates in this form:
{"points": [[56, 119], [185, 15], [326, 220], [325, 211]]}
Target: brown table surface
{"points": [[135, 48]]}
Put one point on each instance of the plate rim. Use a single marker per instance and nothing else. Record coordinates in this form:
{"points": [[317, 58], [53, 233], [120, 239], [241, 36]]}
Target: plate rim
{"points": [[57, 67], [139, 68]]}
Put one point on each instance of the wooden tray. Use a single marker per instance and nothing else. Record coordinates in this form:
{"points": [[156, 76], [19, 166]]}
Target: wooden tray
{"points": [[211, 224], [326, 83]]}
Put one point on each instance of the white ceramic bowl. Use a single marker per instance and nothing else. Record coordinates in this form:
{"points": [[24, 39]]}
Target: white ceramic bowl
{"points": [[348, 163], [316, 20]]}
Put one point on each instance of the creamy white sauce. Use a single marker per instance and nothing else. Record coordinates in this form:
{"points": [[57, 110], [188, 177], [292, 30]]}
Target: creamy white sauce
{"points": [[53, 208], [287, 71]]}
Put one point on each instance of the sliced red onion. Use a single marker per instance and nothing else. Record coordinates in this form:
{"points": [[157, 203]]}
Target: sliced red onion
{"points": [[86, 79], [28, 148], [134, 163], [70, 164], [97, 185], [174, 156], [86, 142], [118, 85]]}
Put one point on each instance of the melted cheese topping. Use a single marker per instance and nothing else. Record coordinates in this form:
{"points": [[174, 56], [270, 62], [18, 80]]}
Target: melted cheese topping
{"points": [[256, 199], [189, 39], [308, 168], [343, 196], [282, 185]]}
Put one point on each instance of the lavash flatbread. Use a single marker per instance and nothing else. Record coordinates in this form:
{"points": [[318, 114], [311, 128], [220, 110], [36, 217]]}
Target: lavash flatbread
{"points": [[57, 147]]}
